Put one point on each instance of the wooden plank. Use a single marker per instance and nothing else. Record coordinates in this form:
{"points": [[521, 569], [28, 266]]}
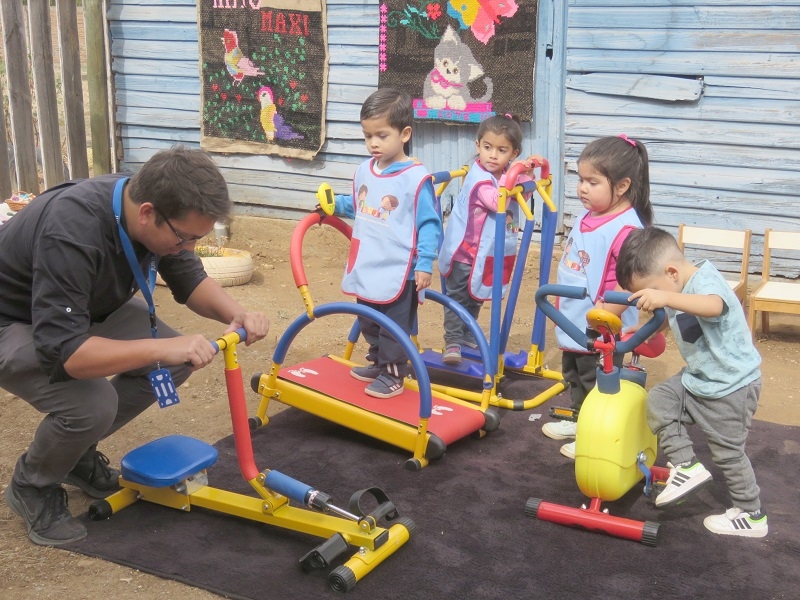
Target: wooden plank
{"points": [[158, 83], [179, 32], [751, 87], [657, 87], [355, 94], [128, 12], [131, 132], [137, 66], [356, 75], [341, 54], [19, 96], [72, 88], [190, 102], [348, 113], [98, 86], [684, 40], [302, 201], [159, 117], [688, 131], [344, 131], [345, 147], [289, 168], [5, 171], [745, 16], [340, 111], [684, 63], [160, 2], [711, 152], [155, 49], [352, 15], [734, 209], [347, 94], [359, 36], [724, 179], [707, 109]]}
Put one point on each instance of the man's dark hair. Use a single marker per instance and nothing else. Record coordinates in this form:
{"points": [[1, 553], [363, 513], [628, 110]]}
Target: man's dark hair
{"points": [[642, 252], [180, 180]]}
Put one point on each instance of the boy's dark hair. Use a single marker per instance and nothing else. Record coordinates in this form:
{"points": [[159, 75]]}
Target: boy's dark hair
{"points": [[180, 180], [392, 104], [502, 125], [642, 252], [617, 158]]}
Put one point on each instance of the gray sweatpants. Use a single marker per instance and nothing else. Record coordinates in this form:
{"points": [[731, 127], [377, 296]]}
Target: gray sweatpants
{"points": [[78, 412], [457, 282], [725, 421]]}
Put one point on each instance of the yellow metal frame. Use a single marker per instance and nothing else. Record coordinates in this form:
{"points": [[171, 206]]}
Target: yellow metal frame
{"points": [[392, 432], [374, 543], [535, 365]]}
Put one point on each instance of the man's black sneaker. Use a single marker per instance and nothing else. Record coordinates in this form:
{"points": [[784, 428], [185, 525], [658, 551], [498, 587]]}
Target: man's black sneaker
{"points": [[93, 475], [45, 513]]}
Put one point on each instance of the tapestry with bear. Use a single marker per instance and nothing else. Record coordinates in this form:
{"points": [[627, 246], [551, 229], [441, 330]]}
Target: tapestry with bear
{"points": [[461, 60], [264, 76]]}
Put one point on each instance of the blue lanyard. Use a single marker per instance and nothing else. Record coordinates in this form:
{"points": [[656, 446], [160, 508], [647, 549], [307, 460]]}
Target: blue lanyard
{"points": [[147, 286]]}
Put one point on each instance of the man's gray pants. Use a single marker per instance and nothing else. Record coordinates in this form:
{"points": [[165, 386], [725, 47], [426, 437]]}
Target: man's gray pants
{"points": [[79, 412]]}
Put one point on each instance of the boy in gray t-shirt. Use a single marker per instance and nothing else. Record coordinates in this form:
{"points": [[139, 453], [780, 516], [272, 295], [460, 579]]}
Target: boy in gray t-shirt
{"points": [[719, 388]]}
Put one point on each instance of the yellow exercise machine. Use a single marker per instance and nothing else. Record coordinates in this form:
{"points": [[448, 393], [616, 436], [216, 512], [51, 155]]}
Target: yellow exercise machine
{"points": [[614, 447], [172, 472], [521, 381]]}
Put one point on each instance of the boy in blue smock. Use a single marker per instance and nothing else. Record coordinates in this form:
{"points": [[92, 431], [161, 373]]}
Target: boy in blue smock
{"points": [[395, 236], [719, 388]]}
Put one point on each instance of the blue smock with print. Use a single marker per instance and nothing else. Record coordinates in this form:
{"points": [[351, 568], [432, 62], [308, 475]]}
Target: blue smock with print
{"points": [[384, 236], [584, 264], [482, 271]]}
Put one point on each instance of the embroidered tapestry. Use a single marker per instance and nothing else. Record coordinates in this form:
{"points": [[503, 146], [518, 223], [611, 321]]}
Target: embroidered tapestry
{"points": [[462, 60], [264, 76]]}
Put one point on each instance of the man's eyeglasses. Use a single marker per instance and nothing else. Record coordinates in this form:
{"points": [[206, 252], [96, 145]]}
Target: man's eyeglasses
{"points": [[182, 241]]}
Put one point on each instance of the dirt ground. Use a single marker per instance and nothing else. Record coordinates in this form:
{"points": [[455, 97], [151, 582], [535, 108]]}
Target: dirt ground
{"points": [[28, 571]]}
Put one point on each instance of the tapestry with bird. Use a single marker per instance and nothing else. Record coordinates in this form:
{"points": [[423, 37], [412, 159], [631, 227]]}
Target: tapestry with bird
{"points": [[461, 60], [264, 71]]}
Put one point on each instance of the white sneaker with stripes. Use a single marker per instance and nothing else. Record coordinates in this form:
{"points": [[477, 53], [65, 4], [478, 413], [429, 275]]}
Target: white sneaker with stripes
{"points": [[737, 522], [683, 479]]}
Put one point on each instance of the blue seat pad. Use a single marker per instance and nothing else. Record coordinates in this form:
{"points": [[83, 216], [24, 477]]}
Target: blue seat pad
{"points": [[167, 461]]}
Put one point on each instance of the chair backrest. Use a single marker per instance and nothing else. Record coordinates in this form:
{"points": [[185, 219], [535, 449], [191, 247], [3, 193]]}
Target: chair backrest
{"points": [[777, 240], [736, 239]]}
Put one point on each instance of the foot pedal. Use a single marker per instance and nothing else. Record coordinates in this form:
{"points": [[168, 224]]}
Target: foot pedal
{"points": [[322, 556], [563, 413]]}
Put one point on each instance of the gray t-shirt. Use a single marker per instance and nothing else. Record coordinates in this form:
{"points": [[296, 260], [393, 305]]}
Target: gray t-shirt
{"points": [[719, 352]]}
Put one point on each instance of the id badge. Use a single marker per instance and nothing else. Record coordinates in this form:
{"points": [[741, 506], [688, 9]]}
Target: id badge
{"points": [[164, 388]]}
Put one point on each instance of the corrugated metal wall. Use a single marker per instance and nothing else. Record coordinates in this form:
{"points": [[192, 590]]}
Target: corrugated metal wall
{"points": [[712, 88]]}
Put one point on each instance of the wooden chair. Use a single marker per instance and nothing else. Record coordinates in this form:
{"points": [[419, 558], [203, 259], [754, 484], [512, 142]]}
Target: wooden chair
{"points": [[729, 239], [774, 296]]}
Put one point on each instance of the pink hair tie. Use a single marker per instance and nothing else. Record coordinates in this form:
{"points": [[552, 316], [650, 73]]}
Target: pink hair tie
{"points": [[508, 115], [627, 139]]}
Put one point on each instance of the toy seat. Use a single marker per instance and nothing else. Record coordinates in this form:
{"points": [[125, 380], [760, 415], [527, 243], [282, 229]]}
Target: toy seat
{"points": [[167, 461]]}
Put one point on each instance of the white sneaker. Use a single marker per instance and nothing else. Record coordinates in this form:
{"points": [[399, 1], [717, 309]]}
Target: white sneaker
{"points": [[737, 522], [682, 481], [560, 430], [568, 450]]}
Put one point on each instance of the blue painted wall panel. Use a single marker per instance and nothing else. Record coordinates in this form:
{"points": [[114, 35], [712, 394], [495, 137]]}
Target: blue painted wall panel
{"points": [[729, 158], [710, 86]]}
